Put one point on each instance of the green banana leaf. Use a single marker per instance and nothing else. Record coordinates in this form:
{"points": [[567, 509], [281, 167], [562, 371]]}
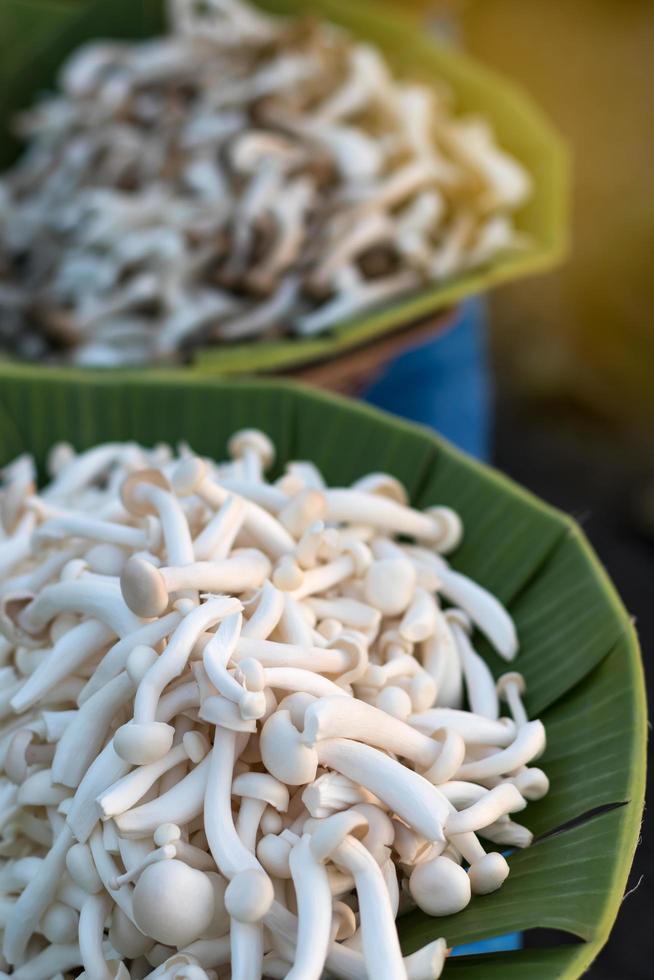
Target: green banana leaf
{"points": [[36, 35], [579, 652]]}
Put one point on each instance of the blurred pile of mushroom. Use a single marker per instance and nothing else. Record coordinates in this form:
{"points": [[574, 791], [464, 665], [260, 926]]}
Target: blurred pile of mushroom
{"points": [[243, 177], [243, 722]]}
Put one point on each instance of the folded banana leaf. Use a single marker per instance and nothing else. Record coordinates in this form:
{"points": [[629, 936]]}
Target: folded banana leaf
{"points": [[36, 35], [579, 652]]}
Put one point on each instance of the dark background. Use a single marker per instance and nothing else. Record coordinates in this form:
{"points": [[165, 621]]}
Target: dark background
{"points": [[575, 460]]}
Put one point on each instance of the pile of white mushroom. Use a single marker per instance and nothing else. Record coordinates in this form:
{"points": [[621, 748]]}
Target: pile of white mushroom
{"points": [[240, 733], [243, 177]]}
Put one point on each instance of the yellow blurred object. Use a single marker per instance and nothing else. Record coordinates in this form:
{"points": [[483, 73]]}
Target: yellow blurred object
{"points": [[586, 330]]}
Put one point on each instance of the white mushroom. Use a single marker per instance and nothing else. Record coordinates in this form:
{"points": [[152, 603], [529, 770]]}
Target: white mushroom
{"points": [[260, 780]]}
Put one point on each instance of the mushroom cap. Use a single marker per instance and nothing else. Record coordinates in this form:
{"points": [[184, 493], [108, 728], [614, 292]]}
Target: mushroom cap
{"points": [[457, 617], [532, 783], [395, 701], [296, 704], [383, 485], [195, 745], [345, 921], [249, 895], [60, 923], [449, 528], [166, 833], [173, 903], [188, 475], [219, 925], [273, 851], [440, 887], [129, 491], [512, 677], [125, 937], [143, 743], [283, 753], [389, 585], [487, 874], [143, 588], [15, 764], [262, 786], [271, 822], [61, 454], [355, 645], [252, 439]]}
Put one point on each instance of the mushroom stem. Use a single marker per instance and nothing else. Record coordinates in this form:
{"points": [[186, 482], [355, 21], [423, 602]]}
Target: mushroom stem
{"points": [[91, 597], [268, 533], [314, 902], [75, 648], [145, 740], [179, 805], [216, 539], [147, 589], [490, 807], [405, 792], [229, 852], [480, 683], [486, 612], [381, 948], [83, 738], [105, 769], [55, 960], [474, 729], [131, 788], [149, 634], [39, 893], [77, 526], [268, 612], [94, 913], [328, 717], [528, 744]]}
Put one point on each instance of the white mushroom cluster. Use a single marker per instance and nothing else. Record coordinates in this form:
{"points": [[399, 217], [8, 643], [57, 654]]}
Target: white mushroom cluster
{"points": [[243, 724], [242, 177]]}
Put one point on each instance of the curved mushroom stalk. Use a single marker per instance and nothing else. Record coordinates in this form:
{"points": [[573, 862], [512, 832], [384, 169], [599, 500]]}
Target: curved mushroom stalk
{"points": [[381, 946], [77, 646], [192, 477], [145, 740], [124, 794], [249, 695], [94, 913], [217, 537], [89, 597], [257, 791], [440, 658], [481, 606], [39, 893], [267, 614], [314, 901], [146, 493], [248, 898], [179, 805], [82, 739], [528, 744], [480, 684]]}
